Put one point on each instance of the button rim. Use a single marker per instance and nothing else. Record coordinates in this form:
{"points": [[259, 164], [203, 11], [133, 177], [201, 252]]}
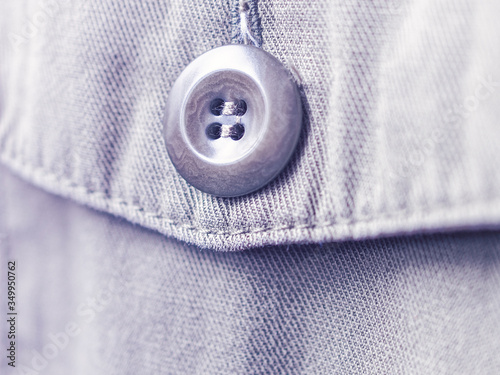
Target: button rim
{"points": [[258, 65]]}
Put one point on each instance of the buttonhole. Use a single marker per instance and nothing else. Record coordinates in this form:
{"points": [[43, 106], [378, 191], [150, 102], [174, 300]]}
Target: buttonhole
{"points": [[214, 130], [217, 106]]}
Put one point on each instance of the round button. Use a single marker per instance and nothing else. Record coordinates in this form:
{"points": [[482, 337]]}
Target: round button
{"points": [[232, 120]]}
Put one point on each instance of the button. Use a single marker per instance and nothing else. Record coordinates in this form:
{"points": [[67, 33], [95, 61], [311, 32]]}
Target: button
{"points": [[232, 120]]}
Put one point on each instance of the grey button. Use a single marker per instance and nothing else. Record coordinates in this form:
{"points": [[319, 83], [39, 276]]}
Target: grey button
{"points": [[232, 120]]}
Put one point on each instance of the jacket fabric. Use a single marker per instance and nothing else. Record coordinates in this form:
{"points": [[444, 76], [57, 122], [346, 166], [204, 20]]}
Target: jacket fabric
{"points": [[376, 250]]}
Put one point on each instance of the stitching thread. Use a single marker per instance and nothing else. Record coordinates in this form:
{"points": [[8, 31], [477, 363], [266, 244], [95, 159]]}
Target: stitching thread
{"points": [[246, 23], [28, 170], [245, 30]]}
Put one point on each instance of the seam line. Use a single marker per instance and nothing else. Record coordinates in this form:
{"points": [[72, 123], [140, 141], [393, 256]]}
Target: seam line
{"points": [[30, 171], [245, 23]]}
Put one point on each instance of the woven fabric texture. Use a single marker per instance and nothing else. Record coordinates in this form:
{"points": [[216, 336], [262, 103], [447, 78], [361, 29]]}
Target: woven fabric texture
{"points": [[146, 304], [400, 133]]}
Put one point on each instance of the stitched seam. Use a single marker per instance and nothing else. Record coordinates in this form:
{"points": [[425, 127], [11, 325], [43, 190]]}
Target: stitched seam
{"points": [[253, 29], [30, 170]]}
